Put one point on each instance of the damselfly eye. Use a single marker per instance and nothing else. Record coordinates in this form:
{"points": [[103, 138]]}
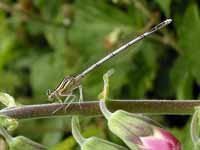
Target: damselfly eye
{"points": [[48, 92]]}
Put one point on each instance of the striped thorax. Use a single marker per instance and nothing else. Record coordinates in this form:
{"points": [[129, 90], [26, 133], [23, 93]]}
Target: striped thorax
{"points": [[66, 86]]}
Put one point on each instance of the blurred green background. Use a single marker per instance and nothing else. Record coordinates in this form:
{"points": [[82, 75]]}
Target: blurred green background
{"points": [[42, 41]]}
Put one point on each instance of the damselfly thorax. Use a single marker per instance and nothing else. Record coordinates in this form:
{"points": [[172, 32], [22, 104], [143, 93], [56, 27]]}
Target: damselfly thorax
{"points": [[64, 88]]}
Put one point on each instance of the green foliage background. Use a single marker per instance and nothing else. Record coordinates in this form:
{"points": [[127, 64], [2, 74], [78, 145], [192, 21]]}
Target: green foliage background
{"points": [[42, 41]]}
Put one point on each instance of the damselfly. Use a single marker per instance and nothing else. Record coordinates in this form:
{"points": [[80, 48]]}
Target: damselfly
{"points": [[70, 83]]}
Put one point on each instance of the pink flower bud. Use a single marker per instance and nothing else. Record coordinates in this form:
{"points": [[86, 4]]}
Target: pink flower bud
{"points": [[160, 140], [139, 132]]}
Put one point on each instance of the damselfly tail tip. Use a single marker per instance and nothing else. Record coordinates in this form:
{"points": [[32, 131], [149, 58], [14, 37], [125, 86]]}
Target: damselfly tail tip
{"points": [[168, 21], [162, 24]]}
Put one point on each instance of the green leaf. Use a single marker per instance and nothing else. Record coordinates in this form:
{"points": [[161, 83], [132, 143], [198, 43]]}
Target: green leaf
{"points": [[181, 79], [143, 70], [8, 43], [189, 35], [57, 38], [68, 144], [55, 135], [96, 19], [165, 6], [46, 72], [9, 82], [183, 134]]}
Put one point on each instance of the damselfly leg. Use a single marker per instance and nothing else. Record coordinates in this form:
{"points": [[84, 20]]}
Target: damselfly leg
{"points": [[69, 99], [68, 102], [80, 95], [65, 102], [80, 98]]}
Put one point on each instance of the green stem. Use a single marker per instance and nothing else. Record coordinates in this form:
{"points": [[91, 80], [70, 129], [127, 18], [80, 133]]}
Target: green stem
{"points": [[76, 131], [156, 107], [5, 134], [104, 109], [194, 127]]}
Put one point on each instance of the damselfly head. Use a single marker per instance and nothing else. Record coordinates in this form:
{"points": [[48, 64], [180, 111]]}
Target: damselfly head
{"points": [[50, 94]]}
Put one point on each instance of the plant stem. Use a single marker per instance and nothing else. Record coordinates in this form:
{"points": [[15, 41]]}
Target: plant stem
{"points": [[104, 109], [140, 6], [157, 107]]}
